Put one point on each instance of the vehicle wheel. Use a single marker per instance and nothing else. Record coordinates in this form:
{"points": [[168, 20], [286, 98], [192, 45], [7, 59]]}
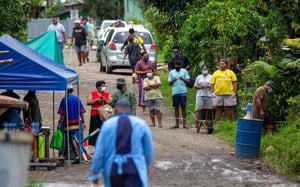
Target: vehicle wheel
{"points": [[210, 130], [210, 127], [109, 70]]}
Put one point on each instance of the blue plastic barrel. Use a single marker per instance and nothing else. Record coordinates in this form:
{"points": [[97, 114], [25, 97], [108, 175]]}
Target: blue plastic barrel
{"points": [[248, 138]]}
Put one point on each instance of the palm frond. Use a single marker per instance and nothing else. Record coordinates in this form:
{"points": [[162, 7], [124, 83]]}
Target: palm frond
{"points": [[294, 64]]}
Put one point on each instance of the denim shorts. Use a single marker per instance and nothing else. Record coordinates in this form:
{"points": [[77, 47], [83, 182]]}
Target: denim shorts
{"points": [[153, 104], [203, 102]]}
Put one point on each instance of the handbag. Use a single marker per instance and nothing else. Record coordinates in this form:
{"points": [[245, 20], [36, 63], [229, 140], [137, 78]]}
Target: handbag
{"points": [[105, 111], [57, 140]]}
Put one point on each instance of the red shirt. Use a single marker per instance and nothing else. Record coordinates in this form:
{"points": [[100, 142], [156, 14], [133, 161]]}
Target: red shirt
{"points": [[96, 95]]}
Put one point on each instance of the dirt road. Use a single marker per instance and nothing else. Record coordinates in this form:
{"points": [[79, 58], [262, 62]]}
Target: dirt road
{"points": [[182, 157]]}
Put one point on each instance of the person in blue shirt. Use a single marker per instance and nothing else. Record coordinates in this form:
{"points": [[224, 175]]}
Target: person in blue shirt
{"points": [[11, 119], [69, 118], [178, 78], [124, 162]]}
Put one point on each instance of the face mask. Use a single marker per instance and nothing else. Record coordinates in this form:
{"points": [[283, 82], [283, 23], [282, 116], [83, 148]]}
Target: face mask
{"points": [[146, 59], [119, 87], [204, 72], [103, 89], [149, 75], [178, 69], [176, 54], [270, 90]]}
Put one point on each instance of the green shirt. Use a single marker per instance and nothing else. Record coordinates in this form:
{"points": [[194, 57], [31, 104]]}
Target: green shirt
{"points": [[128, 95], [154, 93]]}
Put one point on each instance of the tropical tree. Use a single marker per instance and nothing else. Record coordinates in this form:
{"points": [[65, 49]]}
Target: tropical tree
{"points": [[220, 30], [103, 9], [175, 13], [13, 16], [32, 8]]}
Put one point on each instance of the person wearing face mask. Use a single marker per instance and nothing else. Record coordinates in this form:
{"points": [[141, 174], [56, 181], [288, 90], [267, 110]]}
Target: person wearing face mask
{"points": [[124, 93], [97, 98], [185, 63], [153, 96], [224, 87], [178, 78], [260, 104], [141, 69], [203, 96]]}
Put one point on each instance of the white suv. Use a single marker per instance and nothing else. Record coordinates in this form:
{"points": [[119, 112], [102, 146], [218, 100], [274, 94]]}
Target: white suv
{"points": [[111, 55], [101, 34]]}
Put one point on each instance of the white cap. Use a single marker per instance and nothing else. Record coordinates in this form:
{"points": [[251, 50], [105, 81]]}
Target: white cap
{"points": [[77, 21]]}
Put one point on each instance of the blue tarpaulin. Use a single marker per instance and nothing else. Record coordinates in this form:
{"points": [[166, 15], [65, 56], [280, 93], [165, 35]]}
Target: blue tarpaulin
{"points": [[31, 70]]}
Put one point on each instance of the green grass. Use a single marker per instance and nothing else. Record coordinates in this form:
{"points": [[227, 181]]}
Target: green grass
{"points": [[280, 151], [160, 58], [34, 183], [226, 130]]}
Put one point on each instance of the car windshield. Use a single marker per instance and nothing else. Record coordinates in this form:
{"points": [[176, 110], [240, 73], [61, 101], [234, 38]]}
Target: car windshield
{"points": [[107, 24], [121, 37]]}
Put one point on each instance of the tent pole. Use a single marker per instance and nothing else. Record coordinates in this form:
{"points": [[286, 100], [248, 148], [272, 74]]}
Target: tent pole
{"points": [[53, 117], [68, 134], [80, 123]]}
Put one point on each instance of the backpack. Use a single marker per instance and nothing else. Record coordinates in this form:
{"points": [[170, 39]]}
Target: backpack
{"points": [[191, 83]]}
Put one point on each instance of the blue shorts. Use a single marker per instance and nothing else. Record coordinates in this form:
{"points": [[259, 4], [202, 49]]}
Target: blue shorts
{"points": [[132, 65], [179, 100]]}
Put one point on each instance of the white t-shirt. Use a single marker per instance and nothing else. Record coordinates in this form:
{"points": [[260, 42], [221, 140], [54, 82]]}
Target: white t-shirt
{"points": [[59, 29], [203, 80]]}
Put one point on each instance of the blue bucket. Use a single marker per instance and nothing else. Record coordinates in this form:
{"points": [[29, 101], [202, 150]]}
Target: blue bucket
{"points": [[248, 138]]}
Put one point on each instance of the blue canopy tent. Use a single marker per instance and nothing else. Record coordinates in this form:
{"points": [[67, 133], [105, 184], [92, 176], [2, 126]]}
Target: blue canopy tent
{"points": [[33, 71]]}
